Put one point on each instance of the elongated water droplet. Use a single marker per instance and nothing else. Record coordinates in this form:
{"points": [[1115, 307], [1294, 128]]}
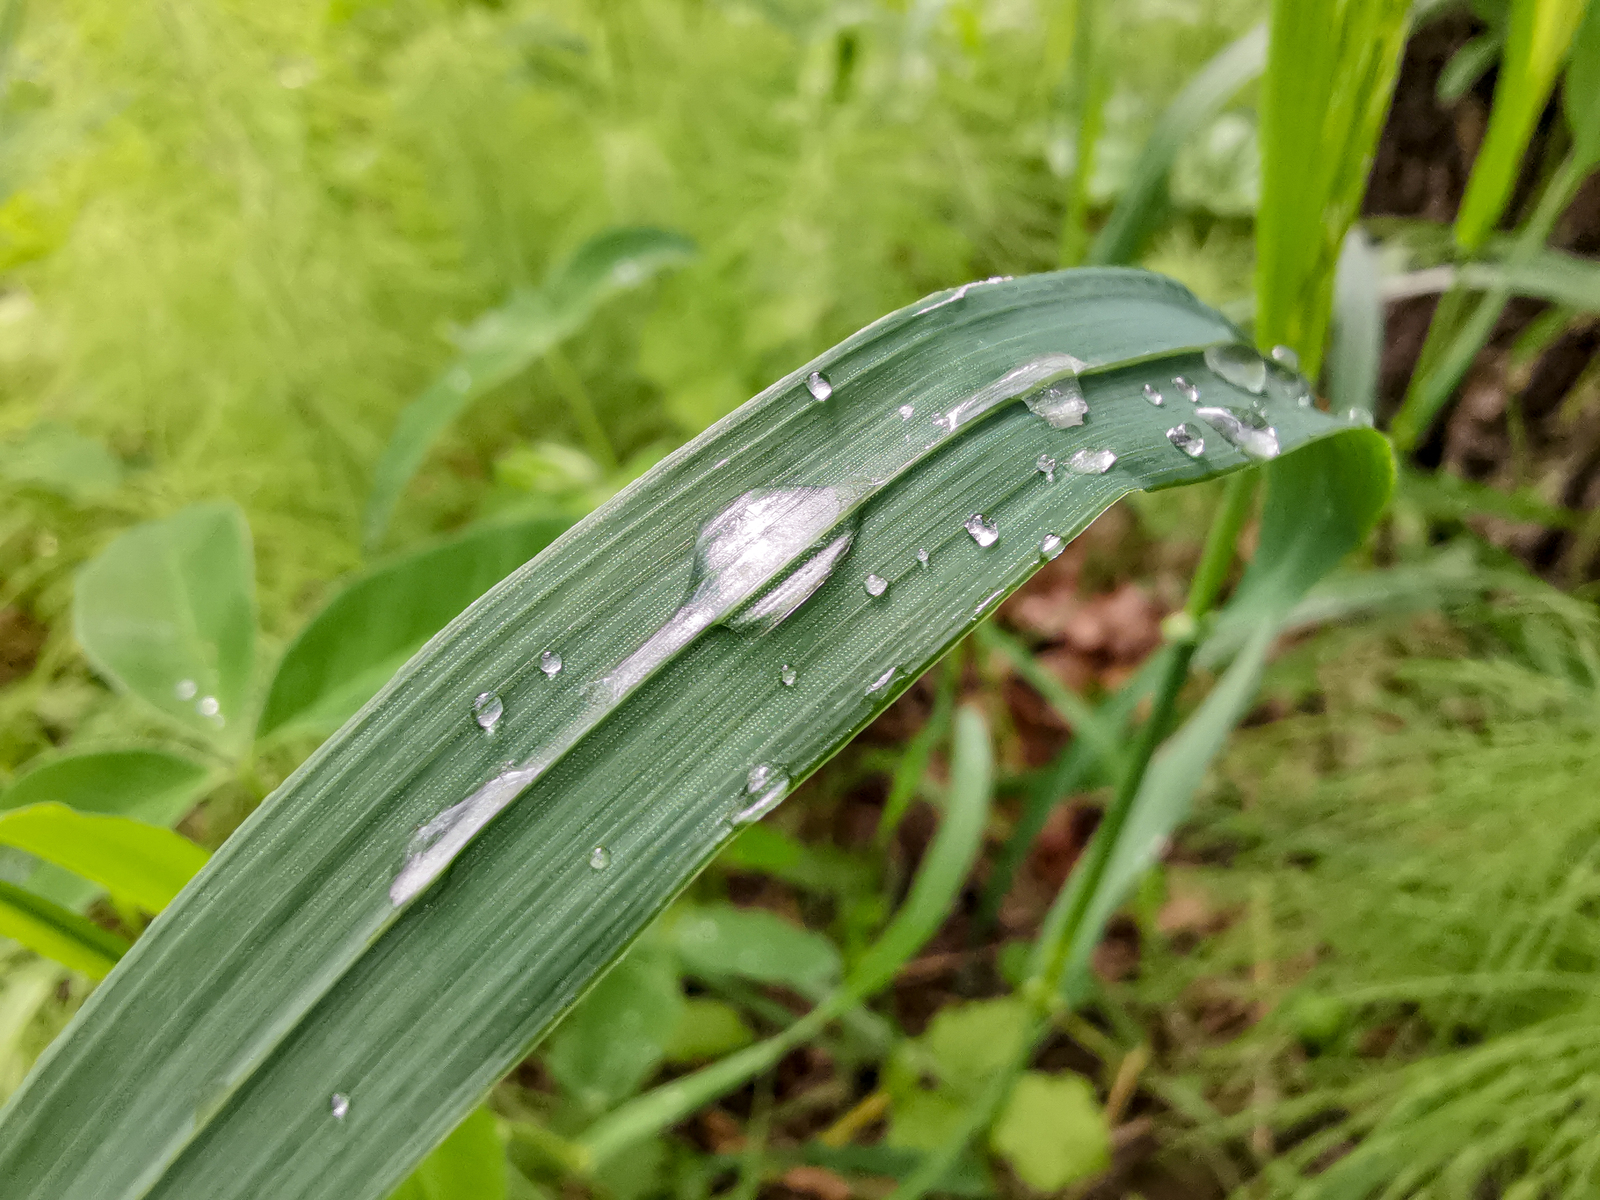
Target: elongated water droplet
{"points": [[819, 387], [599, 858], [1092, 462], [769, 785], [1035, 376], [487, 710], [1153, 394], [922, 557], [906, 411], [776, 605], [787, 675], [1060, 403], [876, 585], [1046, 466], [1188, 439], [1286, 356], [984, 531], [186, 689], [1051, 546], [208, 706], [550, 663], [882, 681], [1240, 365], [1188, 390], [339, 1105], [1243, 430]]}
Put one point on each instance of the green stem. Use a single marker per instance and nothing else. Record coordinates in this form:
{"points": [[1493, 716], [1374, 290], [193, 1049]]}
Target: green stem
{"points": [[582, 408], [1091, 82]]}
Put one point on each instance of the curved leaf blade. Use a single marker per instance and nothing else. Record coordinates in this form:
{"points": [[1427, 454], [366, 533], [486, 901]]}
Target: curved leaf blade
{"points": [[57, 933], [157, 786], [143, 863]]}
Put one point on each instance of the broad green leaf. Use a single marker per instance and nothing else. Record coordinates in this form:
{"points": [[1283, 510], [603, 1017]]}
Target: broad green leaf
{"points": [[1052, 1131], [932, 1081], [366, 632], [145, 864], [57, 933], [407, 915], [707, 1029], [155, 786], [505, 341], [470, 1164], [751, 943], [57, 458], [167, 611], [1537, 38]]}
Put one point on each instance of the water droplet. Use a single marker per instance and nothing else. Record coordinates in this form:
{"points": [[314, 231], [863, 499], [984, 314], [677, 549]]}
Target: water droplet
{"points": [[1244, 430], [186, 689], [1286, 356], [787, 675], [550, 663], [1046, 466], [1092, 462], [487, 711], [984, 531], [1153, 394], [208, 706], [1061, 403], [882, 681], [1051, 546], [944, 421], [460, 379], [922, 557], [599, 858], [775, 606], [769, 785], [1240, 365], [819, 387], [1190, 392], [876, 585], [984, 604], [906, 411], [1188, 439], [339, 1105], [1359, 416]]}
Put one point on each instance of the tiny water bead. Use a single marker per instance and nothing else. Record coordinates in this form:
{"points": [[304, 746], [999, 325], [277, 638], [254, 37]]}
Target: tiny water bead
{"points": [[1153, 394], [787, 675], [819, 387], [1240, 365], [339, 1105], [487, 710], [906, 411], [1046, 466], [599, 858], [1092, 462], [1286, 356], [922, 557], [984, 531], [208, 706], [186, 689], [1188, 390], [1051, 546], [1188, 439], [876, 585], [1061, 404], [550, 663]]}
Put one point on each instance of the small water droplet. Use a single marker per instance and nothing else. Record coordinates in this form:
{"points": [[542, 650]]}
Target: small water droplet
{"points": [[1051, 546], [208, 706], [186, 689], [882, 681], [984, 531], [460, 379], [1153, 394], [922, 557], [819, 387], [1286, 356], [1359, 416], [1246, 431], [1188, 439], [599, 858], [906, 411], [1046, 466], [1060, 403], [876, 585], [1190, 392], [1092, 462], [550, 663], [1240, 365], [787, 675], [339, 1105], [487, 711]]}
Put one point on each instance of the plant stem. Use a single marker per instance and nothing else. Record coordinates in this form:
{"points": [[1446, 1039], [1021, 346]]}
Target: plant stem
{"points": [[581, 408], [1090, 82]]}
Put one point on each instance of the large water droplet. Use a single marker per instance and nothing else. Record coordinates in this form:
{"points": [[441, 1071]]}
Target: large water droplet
{"points": [[1051, 546], [775, 606], [984, 531], [1189, 391], [487, 711], [787, 675], [599, 858], [1188, 439], [186, 689], [1153, 394], [1092, 462], [1060, 403], [882, 681], [876, 585], [1046, 466], [339, 1105], [906, 411], [769, 785], [1244, 430], [1286, 356], [550, 663], [1035, 375], [209, 706], [819, 387], [1240, 365]]}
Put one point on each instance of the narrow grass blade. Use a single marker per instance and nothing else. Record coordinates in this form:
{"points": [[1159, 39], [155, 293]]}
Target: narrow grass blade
{"points": [[1355, 348], [408, 914], [1083, 718], [913, 765], [157, 786], [142, 863], [57, 933]]}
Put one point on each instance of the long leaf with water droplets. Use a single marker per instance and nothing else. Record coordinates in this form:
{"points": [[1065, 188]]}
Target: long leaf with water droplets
{"points": [[408, 913]]}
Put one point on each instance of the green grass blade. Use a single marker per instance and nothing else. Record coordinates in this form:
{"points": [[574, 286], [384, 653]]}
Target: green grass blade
{"points": [[151, 785], [913, 765], [407, 915], [1581, 91], [506, 341], [1355, 348], [143, 863], [1142, 207], [57, 933]]}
